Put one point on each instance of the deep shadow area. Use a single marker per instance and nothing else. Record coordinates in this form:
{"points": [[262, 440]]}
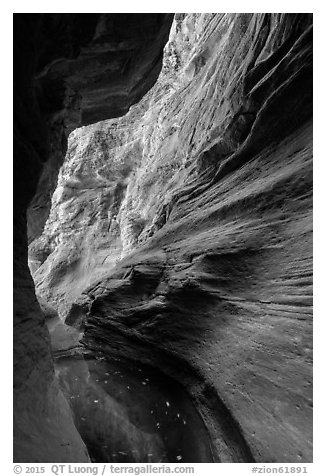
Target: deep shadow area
{"points": [[180, 236], [126, 412], [69, 70]]}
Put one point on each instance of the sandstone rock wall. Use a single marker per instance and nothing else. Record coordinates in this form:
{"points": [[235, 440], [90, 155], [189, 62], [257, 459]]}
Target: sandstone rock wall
{"points": [[69, 70], [193, 218]]}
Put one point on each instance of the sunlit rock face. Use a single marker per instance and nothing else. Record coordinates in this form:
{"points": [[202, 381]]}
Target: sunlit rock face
{"points": [[83, 238], [113, 182], [181, 234], [69, 70]]}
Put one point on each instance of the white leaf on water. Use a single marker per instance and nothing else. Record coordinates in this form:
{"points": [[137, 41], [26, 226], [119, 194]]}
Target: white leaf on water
{"points": [[167, 404]]}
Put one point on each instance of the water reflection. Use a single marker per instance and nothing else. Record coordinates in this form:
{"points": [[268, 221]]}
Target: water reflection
{"points": [[132, 413]]}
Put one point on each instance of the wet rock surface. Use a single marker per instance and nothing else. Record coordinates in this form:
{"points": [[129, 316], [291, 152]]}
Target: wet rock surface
{"points": [[69, 70], [130, 413], [208, 273], [180, 238]]}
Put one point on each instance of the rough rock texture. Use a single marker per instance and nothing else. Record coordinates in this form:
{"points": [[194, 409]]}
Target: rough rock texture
{"points": [[201, 197], [88, 67], [193, 213], [69, 70]]}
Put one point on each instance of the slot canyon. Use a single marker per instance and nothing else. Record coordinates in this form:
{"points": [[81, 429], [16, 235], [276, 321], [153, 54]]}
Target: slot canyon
{"points": [[163, 237]]}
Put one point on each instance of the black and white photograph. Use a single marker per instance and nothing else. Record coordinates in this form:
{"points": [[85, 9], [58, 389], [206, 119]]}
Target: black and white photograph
{"points": [[162, 240]]}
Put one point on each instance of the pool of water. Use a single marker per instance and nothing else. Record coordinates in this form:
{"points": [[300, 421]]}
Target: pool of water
{"points": [[130, 413]]}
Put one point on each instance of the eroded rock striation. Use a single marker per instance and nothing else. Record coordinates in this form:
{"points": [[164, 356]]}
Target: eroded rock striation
{"points": [[180, 235], [69, 70]]}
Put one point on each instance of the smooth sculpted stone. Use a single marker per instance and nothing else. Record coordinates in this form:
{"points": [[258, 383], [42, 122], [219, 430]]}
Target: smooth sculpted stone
{"points": [[180, 235], [69, 70]]}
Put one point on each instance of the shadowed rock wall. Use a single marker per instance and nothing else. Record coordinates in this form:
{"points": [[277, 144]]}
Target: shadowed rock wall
{"points": [[69, 70], [190, 221]]}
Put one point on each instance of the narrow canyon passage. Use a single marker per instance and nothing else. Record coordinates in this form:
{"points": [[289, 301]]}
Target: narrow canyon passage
{"points": [[163, 238]]}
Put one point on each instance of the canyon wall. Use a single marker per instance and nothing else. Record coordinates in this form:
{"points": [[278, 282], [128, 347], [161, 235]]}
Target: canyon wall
{"points": [[69, 70], [180, 235]]}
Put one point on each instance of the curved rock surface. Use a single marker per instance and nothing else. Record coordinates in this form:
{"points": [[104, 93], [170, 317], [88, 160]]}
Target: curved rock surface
{"points": [[181, 234], [69, 70]]}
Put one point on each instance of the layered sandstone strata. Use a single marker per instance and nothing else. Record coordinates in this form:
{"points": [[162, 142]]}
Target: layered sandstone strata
{"points": [[181, 234], [69, 70]]}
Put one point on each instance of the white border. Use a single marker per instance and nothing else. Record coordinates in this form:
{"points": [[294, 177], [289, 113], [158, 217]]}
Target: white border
{"points": [[61, 6], [319, 200]]}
